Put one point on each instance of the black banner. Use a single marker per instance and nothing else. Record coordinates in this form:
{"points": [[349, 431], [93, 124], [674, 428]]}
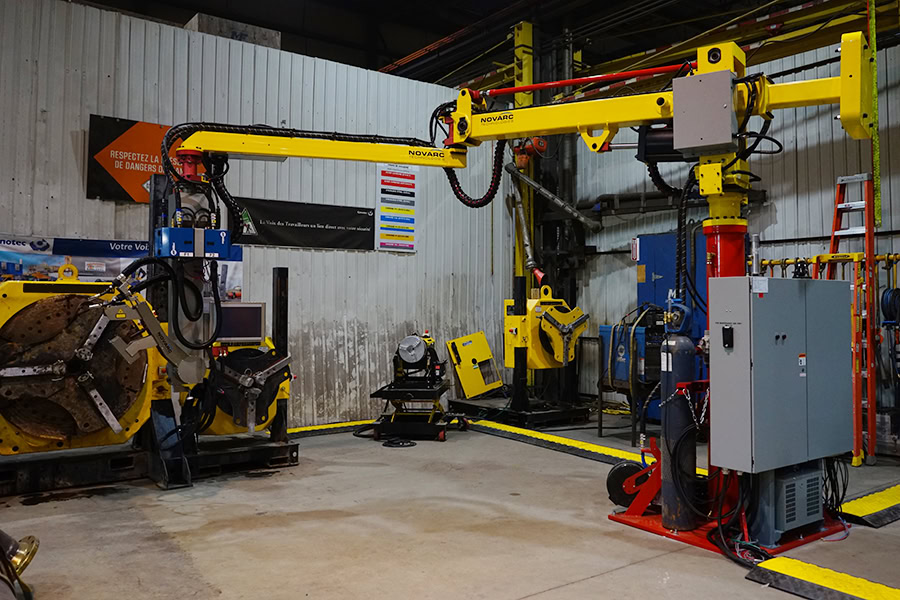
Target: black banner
{"points": [[274, 223]]}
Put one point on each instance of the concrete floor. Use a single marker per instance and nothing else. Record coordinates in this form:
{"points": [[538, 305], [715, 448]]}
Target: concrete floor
{"points": [[475, 517]]}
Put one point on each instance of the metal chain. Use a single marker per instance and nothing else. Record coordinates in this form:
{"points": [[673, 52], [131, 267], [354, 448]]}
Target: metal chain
{"points": [[703, 410], [669, 399], [687, 395]]}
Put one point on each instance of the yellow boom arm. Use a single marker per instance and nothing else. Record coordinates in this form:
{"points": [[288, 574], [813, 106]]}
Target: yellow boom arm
{"points": [[852, 90], [723, 174]]}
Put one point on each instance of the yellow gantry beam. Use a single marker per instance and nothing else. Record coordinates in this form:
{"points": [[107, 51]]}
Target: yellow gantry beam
{"points": [[851, 90], [554, 119], [471, 126], [238, 145]]}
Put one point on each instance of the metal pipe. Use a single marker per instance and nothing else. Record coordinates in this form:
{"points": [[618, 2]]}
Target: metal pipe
{"points": [[530, 264], [567, 152], [754, 254], [556, 200], [549, 85], [623, 146], [280, 309]]}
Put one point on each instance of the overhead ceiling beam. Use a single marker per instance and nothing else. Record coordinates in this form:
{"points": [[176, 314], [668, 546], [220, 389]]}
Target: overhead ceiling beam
{"points": [[753, 30]]}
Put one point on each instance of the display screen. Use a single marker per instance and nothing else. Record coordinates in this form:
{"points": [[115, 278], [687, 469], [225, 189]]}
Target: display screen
{"points": [[242, 321]]}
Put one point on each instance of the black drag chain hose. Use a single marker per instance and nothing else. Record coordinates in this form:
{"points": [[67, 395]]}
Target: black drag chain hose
{"points": [[496, 176], [185, 130]]}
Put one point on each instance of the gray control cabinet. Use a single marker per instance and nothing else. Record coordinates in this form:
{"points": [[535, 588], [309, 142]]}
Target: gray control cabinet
{"points": [[780, 371]]}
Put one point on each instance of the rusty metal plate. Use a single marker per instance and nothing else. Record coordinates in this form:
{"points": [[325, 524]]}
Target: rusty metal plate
{"points": [[43, 320], [57, 407]]}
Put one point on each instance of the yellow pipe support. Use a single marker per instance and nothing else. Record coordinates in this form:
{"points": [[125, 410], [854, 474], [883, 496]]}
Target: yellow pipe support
{"points": [[803, 93], [726, 206], [851, 257], [523, 51]]}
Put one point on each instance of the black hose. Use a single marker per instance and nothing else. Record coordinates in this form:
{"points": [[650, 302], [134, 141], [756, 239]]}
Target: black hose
{"points": [[176, 327], [890, 304], [177, 278], [659, 182], [496, 175], [185, 130], [364, 428], [218, 169]]}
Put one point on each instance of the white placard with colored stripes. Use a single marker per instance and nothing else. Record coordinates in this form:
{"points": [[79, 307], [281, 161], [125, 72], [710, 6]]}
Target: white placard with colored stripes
{"points": [[397, 191]]}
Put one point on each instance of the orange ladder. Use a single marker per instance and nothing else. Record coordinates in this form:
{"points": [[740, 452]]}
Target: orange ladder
{"points": [[864, 308]]}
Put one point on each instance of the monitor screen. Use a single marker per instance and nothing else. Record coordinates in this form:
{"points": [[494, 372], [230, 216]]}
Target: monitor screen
{"points": [[243, 322]]}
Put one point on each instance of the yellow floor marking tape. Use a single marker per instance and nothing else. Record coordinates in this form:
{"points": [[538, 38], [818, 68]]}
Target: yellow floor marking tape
{"points": [[564, 441], [328, 426], [872, 503], [537, 435], [833, 580]]}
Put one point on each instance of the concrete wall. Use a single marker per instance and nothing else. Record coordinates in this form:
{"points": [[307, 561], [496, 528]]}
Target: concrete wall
{"points": [[60, 62]]}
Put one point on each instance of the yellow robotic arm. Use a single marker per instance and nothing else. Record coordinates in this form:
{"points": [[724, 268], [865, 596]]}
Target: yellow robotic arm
{"points": [[722, 170]]}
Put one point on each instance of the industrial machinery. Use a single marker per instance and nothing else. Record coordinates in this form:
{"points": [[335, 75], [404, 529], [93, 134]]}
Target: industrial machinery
{"points": [[64, 384], [630, 349], [780, 382], [474, 365], [629, 354], [545, 333], [412, 407], [703, 120], [88, 365], [80, 370]]}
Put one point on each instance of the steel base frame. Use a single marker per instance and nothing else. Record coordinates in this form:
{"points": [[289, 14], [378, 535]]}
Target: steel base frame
{"points": [[697, 537], [213, 455]]}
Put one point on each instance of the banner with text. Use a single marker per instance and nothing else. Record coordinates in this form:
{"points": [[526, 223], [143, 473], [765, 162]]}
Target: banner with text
{"points": [[122, 155], [305, 225], [396, 189], [39, 259]]}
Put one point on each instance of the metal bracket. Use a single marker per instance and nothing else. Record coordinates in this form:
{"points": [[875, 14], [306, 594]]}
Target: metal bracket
{"points": [[86, 381], [131, 350], [252, 384], [597, 143], [57, 368], [86, 352]]}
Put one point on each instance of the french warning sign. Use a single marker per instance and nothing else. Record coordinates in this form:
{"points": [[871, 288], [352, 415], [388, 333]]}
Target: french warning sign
{"points": [[123, 155]]}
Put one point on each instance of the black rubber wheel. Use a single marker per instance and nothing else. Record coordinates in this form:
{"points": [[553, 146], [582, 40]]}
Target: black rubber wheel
{"points": [[462, 424], [616, 478]]}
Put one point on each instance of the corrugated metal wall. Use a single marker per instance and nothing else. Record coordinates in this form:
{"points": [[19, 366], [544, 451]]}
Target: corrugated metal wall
{"points": [[800, 183], [60, 62]]}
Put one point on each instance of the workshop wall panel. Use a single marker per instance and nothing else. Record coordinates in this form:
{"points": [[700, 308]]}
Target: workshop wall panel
{"points": [[60, 62]]}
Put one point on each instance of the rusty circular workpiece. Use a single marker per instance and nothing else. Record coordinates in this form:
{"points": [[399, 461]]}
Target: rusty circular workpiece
{"points": [[56, 406]]}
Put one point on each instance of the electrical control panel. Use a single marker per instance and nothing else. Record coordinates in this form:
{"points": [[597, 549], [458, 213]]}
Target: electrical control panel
{"points": [[780, 371], [186, 242]]}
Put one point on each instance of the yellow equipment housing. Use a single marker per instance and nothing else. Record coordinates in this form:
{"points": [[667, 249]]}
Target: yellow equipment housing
{"points": [[549, 329], [474, 364], [223, 423], [15, 297], [28, 436]]}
